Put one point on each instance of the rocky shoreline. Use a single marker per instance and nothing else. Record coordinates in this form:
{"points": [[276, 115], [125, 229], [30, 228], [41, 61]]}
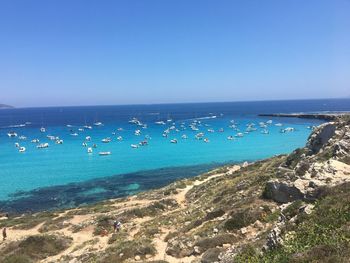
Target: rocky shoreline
{"points": [[289, 208], [319, 116]]}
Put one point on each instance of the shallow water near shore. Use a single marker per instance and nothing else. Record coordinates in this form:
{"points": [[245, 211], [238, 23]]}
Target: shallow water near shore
{"points": [[66, 176]]}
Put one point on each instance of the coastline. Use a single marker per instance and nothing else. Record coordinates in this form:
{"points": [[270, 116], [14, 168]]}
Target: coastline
{"points": [[200, 219]]}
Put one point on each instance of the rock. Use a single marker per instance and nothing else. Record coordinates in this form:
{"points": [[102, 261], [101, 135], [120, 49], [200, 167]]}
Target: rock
{"points": [[211, 255], [196, 250], [307, 209], [215, 230], [282, 192], [273, 239], [148, 256], [245, 164], [137, 258], [258, 225], [320, 137]]}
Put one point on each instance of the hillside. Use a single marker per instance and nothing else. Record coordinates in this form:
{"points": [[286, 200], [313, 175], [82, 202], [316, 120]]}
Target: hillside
{"points": [[289, 208], [4, 106]]}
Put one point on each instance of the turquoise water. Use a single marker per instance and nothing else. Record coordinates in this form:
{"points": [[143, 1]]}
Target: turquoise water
{"points": [[36, 170]]}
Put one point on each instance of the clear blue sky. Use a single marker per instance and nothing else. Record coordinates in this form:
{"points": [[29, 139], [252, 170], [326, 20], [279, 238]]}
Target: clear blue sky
{"points": [[71, 52]]}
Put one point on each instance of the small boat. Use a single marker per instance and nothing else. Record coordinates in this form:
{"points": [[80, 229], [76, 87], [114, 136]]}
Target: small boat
{"points": [[84, 144], [81, 129], [184, 136], [22, 149], [35, 141], [94, 146], [12, 134], [265, 131], [74, 134], [69, 126], [221, 130], [89, 150], [88, 138], [42, 129], [51, 138], [22, 138], [137, 132], [58, 141], [17, 145], [104, 153], [43, 145], [211, 130], [88, 127], [160, 122], [119, 138], [98, 123], [120, 129], [230, 138], [269, 122], [143, 143], [106, 140], [278, 124], [173, 141], [134, 146], [239, 134], [206, 140]]}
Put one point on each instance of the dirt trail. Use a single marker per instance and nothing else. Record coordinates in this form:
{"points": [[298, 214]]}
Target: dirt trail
{"points": [[84, 239]]}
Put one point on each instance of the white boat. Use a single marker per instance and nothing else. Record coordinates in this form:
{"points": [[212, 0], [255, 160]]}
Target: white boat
{"points": [[43, 145], [104, 153], [22, 138], [74, 134], [278, 124], [134, 146], [51, 138], [206, 140], [211, 130], [22, 149], [88, 138], [120, 129], [230, 138], [221, 130], [87, 127], [119, 138], [184, 136], [12, 134], [106, 140], [137, 132], [265, 131], [17, 145], [42, 129], [84, 144], [173, 141], [81, 129], [35, 141], [239, 134], [98, 123], [58, 141], [269, 122], [160, 122], [89, 150]]}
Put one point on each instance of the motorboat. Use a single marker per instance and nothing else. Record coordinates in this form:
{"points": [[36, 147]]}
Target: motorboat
{"points": [[239, 134], [278, 124], [89, 150], [35, 141], [230, 138], [134, 146], [173, 141], [12, 134], [137, 132], [74, 134], [88, 127], [42, 145], [143, 143], [84, 144], [160, 122], [119, 138], [42, 129], [22, 149], [88, 138], [104, 153], [206, 140], [17, 145], [98, 123], [22, 138], [106, 140], [184, 136], [265, 131], [59, 141]]}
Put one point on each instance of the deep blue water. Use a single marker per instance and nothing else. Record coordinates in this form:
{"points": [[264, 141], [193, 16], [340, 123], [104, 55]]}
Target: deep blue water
{"points": [[66, 175]]}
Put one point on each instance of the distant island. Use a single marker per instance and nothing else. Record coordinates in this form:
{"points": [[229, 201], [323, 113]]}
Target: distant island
{"points": [[4, 106]]}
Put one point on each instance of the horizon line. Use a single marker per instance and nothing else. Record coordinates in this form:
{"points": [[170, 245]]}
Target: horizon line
{"points": [[168, 103]]}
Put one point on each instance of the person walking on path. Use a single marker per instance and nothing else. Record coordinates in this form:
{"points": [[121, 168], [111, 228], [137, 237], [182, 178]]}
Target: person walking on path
{"points": [[4, 234]]}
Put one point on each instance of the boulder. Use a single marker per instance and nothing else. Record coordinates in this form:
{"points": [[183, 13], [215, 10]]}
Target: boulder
{"points": [[282, 192]]}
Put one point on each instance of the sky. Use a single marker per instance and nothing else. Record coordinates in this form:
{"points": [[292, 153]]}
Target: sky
{"points": [[82, 52]]}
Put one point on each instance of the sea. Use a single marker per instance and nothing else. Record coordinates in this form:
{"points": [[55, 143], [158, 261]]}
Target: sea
{"points": [[150, 146]]}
